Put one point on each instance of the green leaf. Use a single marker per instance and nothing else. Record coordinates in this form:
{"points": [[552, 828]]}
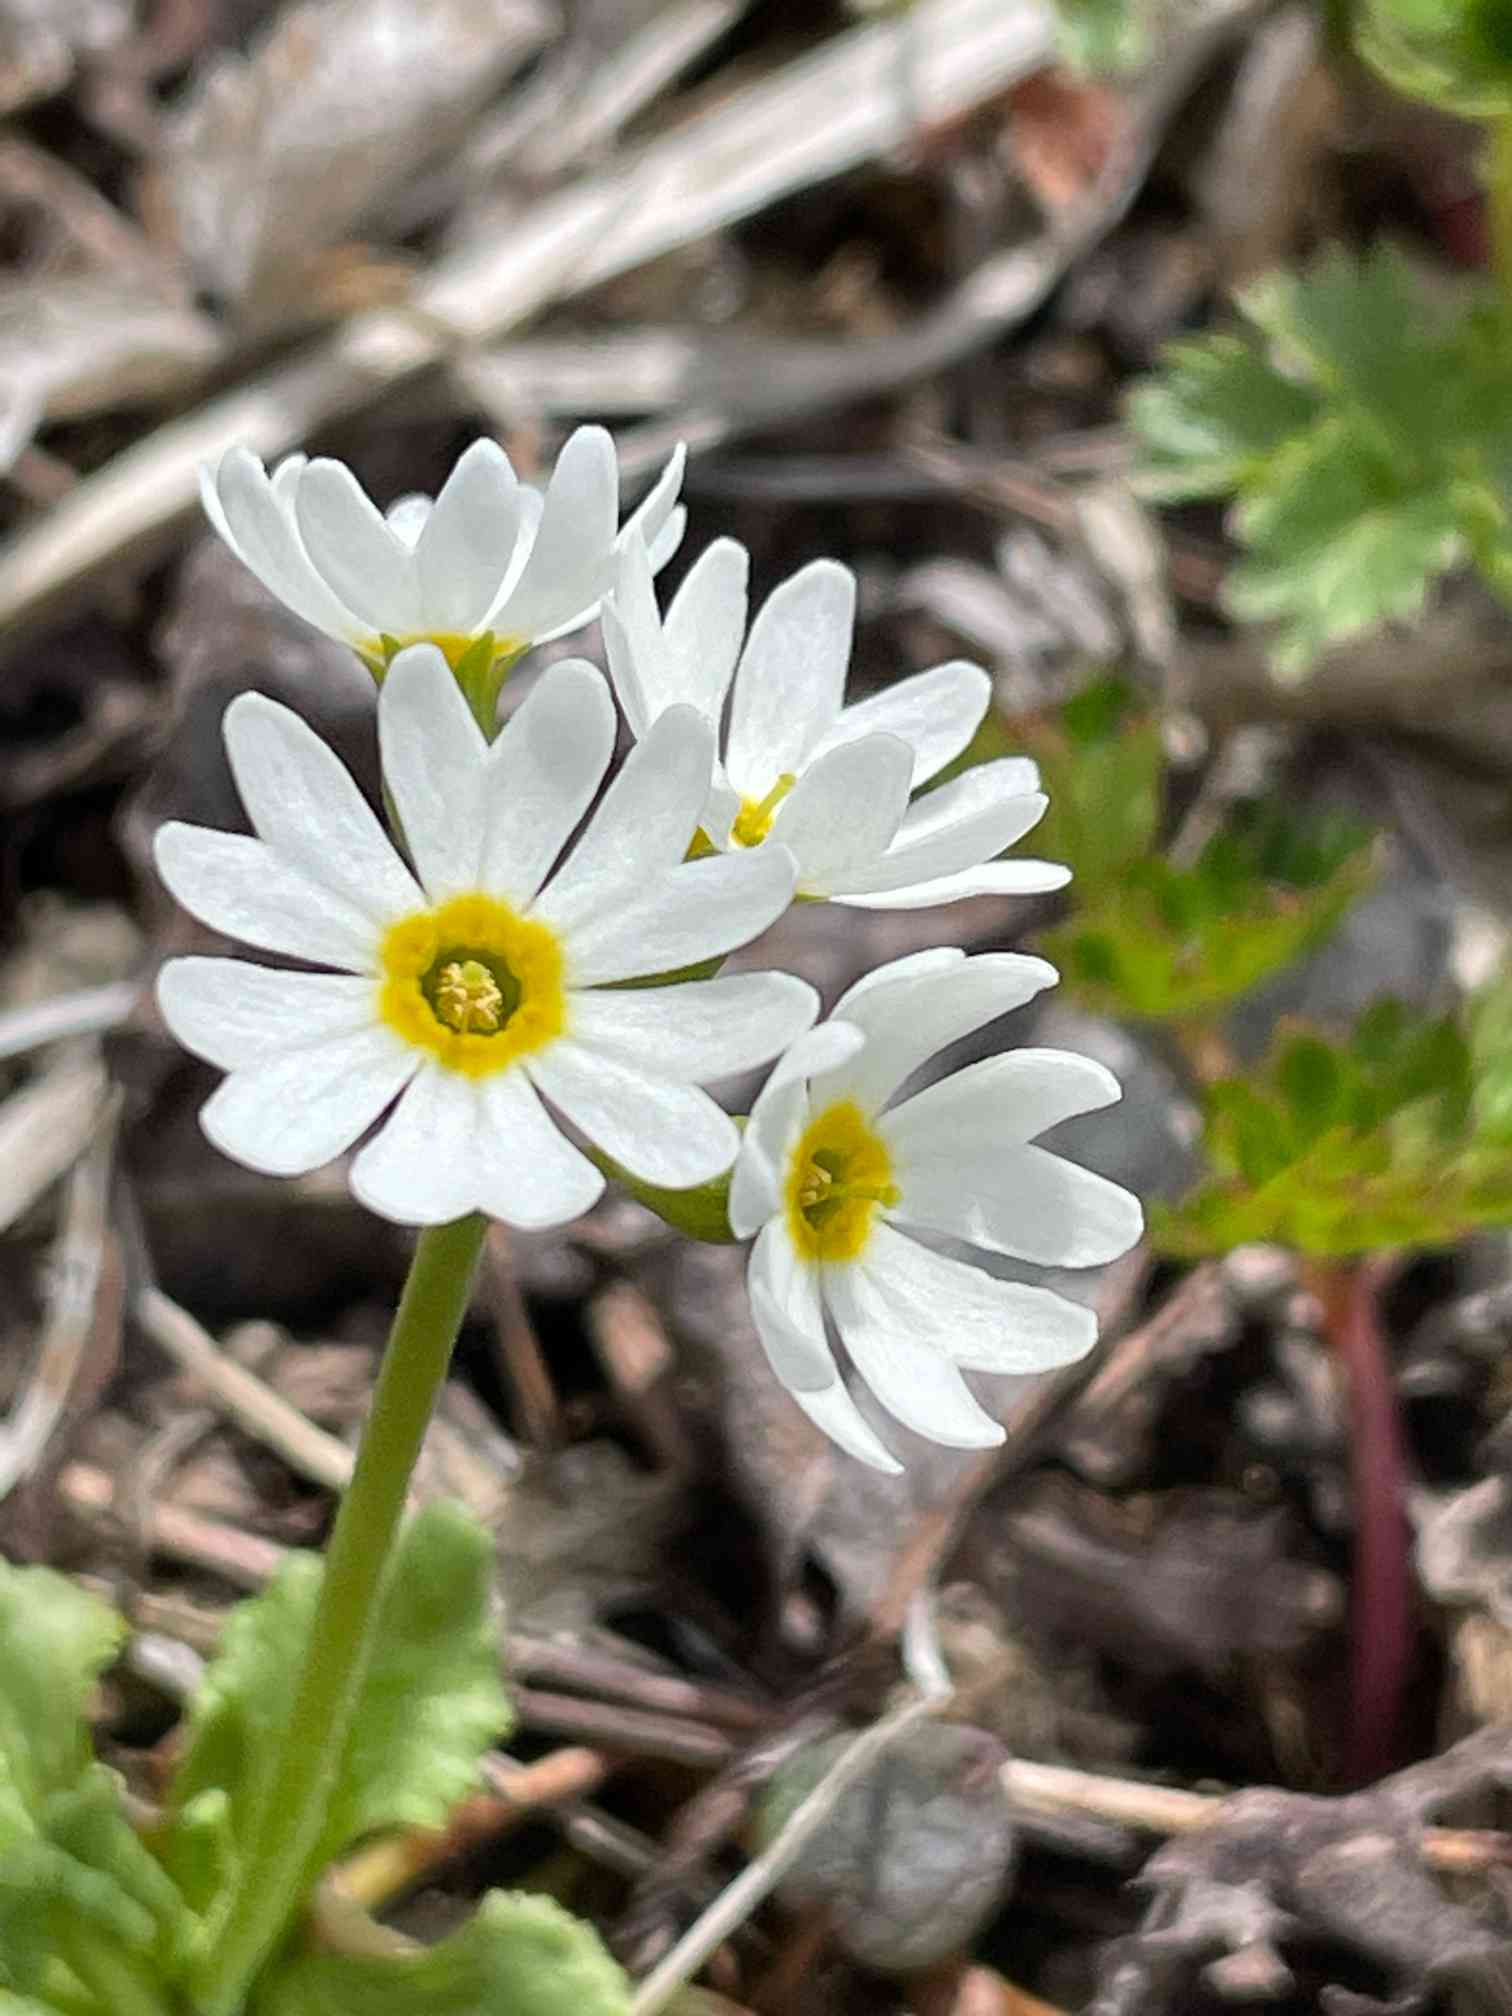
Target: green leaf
{"points": [[1214, 417], [431, 1706], [1363, 425], [55, 1641], [1456, 54], [1337, 1147], [1102, 765], [1171, 944], [517, 1956]]}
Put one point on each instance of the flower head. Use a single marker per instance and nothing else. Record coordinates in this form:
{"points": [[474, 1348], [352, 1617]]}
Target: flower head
{"points": [[844, 1185], [478, 982], [488, 558], [831, 783]]}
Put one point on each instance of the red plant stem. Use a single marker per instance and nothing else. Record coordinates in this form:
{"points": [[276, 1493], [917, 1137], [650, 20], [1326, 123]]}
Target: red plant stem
{"points": [[1381, 1628]]}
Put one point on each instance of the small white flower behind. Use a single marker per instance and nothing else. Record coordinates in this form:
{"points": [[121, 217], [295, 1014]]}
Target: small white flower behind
{"points": [[831, 783], [835, 1181], [477, 983], [488, 557]]}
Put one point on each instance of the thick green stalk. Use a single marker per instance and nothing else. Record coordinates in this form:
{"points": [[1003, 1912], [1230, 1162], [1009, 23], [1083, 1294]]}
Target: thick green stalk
{"points": [[414, 1365]]}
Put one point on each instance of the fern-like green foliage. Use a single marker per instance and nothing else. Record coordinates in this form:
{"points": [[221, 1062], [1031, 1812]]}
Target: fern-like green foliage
{"points": [[1398, 1135], [1361, 425], [1178, 944]]}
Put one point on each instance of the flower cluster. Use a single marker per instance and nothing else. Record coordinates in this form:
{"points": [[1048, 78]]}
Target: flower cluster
{"points": [[503, 1012]]}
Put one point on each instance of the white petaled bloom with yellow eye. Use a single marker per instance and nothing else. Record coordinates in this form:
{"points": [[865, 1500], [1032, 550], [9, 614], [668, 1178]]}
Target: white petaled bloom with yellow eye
{"points": [[489, 556], [831, 783], [845, 1185], [476, 984]]}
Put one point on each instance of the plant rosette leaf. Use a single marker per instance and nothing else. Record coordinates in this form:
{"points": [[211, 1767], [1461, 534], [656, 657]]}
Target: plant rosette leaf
{"points": [[1173, 944], [1102, 762], [1396, 1136], [431, 1706], [517, 1956]]}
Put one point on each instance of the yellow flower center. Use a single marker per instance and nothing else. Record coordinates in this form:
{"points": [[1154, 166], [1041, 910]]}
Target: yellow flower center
{"points": [[753, 821], [473, 983], [840, 1172]]}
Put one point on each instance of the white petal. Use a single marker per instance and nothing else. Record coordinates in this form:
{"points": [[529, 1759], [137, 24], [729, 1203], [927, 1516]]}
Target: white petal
{"points": [[915, 1381], [292, 1111], [534, 1177], [570, 564], [950, 1310], [791, 677], [244, 507], [235, 884], [663, 1132], [958, 1154], [956, 826], [407, 517], [433, 764], [936, 713], [841, 815], [231, 1012], [423, 1167], [458, 1144], [540, 777], [993, 878], [700, 1029], [835, 1414], [633, 643], [777, 1118], [906, 1020], [1012, 1098], [1021, 1201], [785, 1301], [345, 534], [658, 519], [303, 802], [705, 624], [682, 916], [912, 966], [468, 540], [642, 826]]}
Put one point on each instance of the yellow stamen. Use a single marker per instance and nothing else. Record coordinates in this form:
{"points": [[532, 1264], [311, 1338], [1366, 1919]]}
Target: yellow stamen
{"points": [[473, 983], [469, 997], [753, 821], [839, 1173]]}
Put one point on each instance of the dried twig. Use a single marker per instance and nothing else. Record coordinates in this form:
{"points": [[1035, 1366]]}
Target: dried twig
{"points": [[45, 1128], [255, 1408], [78, 1273], [1169, 1809], [88, 1012]]}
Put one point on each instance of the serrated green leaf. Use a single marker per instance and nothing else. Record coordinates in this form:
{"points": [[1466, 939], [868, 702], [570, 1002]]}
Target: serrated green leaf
{"points": [[1102, 765], [1349, 1146], [55, 1641], [1213, 418], [517, 1956], [1174, 944], [431, 1706]]}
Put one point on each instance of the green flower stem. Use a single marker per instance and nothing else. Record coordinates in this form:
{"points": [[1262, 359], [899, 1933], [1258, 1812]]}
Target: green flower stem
{"points": [[414, 1366], [1499, 200]]}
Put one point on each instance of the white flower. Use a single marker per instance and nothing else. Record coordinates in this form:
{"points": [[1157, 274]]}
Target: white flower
{"points": [[842, 1188], [480, 982], [829, 782], [488, 556]]}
